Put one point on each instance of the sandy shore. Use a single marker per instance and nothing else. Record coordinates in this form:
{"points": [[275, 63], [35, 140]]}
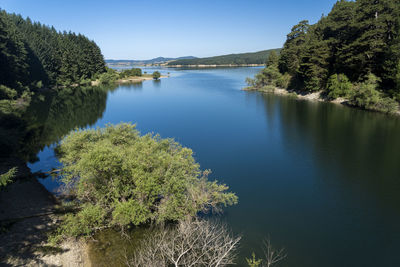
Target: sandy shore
{"points": [[135, 79], [28, 212]]}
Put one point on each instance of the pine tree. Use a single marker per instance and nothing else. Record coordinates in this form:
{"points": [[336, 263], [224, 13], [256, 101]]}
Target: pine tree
{"points": [[294, 47]]}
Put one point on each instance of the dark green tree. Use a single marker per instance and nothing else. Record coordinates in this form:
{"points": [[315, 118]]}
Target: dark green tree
{"points": [[156, 75], [293, 49], [272, 59]]}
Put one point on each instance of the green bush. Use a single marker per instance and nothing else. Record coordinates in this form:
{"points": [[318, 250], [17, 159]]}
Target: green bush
{"points": [[366, 96], [7, 93], [84, 222], [338, 86], [251, 82], [108, 77], [253, 261], [156, 75], [6, 178], [85, 81], [134, 72], [283, 81], [133, 179], [312, 84], [268, 76]]}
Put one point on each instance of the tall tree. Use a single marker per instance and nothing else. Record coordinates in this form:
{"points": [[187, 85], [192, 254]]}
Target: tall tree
{"points": [[294, 46]]}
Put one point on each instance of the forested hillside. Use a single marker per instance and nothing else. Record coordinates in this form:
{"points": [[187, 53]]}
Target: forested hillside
{"points": [[353, 52], [127, 62], [33, 55], [232, 59]]}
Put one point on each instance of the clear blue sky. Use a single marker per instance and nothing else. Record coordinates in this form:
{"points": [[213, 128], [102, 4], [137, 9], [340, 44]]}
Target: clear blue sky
{"points": [[146, 29]]}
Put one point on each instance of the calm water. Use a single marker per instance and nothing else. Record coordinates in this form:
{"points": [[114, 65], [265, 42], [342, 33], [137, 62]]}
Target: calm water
{"points": [[321, 180]]}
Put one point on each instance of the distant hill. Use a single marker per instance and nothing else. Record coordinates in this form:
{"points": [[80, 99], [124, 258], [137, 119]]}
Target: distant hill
{"points": [[157, 60], [232, 59]]}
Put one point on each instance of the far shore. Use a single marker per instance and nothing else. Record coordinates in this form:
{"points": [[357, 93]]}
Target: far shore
{"points": [[314, 96], [214, 65]]}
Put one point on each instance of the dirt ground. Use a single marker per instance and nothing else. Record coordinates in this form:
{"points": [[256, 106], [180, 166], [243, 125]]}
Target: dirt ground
{"points": [[26, 217]]}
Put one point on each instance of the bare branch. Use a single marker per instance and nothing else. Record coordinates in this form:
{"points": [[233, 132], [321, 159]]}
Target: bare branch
{"points": [[190, 243], [272, 255]]}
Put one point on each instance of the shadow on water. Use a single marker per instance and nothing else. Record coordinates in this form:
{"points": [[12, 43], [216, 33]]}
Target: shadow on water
{"points": [[49, 117], [342, 180]]}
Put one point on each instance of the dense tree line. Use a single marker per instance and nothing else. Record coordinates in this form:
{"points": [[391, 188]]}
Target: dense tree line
{"points": [[353, 52], [235, 59], [33, 55]]}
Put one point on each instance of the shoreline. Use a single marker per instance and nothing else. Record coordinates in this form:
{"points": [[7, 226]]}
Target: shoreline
{"points": [[314, 96], [28, 213], [132, 79]]}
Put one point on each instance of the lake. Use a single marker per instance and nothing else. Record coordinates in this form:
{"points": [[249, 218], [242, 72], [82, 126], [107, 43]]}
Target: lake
{"points": [[319, 179]]}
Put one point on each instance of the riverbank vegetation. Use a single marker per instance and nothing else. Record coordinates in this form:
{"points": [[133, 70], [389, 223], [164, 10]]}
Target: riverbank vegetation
{"points": [[34, 56], [112, 76], [352, 53], [119, 178], [7, 178]]}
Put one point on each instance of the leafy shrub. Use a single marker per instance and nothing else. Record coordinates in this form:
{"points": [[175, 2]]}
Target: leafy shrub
{"points": [[268, 76], [283, 80], [251, 82], [7, 93], [6, 178], [130, 72], [84, 81], [312, 84], [366, 96], [156, 75], [268, 88], [108, 77], [338, 86], [133, 179], [387, 105], [253, 261]]}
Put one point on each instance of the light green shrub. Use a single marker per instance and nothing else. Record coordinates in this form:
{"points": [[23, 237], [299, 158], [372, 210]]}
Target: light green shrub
{"points": [[338, 86]]}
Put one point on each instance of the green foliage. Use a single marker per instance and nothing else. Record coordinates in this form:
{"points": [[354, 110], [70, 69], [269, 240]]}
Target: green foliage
{"points": [[293, 49], [232, 59], [283, 80], [272, 59], [269, 76], [33, 56], [253, 262], [156, 75], [108, 77], [134, 72], [338, 86], [397, 78], [134, 179], [84, 222], [313, 70], [251, 82], [6, 178], [366, 96], [355, 39], [7, 93]]}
